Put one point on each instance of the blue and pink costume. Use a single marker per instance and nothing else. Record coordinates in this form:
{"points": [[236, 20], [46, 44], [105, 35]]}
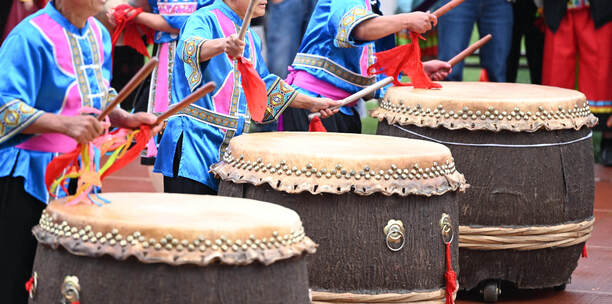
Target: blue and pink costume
{"points": [[49, 65], [207, 126]]}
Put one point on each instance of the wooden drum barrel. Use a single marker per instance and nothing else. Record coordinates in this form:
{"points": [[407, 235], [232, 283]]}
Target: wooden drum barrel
{"points": [[526, 151], [170, 248], [374, 204]]}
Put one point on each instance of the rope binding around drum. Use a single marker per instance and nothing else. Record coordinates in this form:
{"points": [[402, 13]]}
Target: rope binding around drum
{"points": [[525, 238], [435, 296]]}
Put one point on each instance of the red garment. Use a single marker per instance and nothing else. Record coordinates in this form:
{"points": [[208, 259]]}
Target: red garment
{"points": [[577, 40], [124, 16], [18, 13]]}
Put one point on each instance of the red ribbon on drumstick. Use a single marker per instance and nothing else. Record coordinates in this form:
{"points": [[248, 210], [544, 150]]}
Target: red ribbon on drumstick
{"points": [[254, 88], [315, 118], [407, 58]]}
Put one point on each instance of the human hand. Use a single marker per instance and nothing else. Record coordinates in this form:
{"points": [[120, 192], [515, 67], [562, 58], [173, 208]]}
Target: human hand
{"points": [[609, 123], [135, 120], [437, 69], [323, 106], [421, 22], [233, 47], [83, 128]]}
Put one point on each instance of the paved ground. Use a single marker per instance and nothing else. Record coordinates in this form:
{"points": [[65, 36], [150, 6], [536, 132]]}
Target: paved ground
{"points": [[591, 282]]}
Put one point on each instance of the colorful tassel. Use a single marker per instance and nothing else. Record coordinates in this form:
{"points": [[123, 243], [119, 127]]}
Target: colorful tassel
{"points": [[450, 276], [84, 163]]}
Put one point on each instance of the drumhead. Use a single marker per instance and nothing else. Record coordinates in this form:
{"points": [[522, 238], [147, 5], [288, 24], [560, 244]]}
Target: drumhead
{"points": [[339, 162], [178, 228], [487, 106]]}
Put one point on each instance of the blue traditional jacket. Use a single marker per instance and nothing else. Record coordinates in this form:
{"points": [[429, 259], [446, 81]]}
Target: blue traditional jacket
{"points": [[48, 65], [209, 124], [175, 12], [330, 53]]}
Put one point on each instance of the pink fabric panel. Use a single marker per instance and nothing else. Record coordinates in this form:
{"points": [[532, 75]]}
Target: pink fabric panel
{"points": [[308, 82], [227, 26], [55, 34], [55, 142], [161, 87], [223, 97]]}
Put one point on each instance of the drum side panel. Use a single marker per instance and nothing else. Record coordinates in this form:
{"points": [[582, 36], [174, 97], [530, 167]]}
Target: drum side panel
{"points": [[106, 280], [519, 187], [352, 255]]}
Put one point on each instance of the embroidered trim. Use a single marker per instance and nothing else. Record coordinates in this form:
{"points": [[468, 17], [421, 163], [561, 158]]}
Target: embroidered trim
{"points": [[351, 19], [211, 118], [80, 68], [176, 9], [280, 95], [600, 106], [191, 56], [97, 66], [110, 96], [323, 63], [16, 115]]}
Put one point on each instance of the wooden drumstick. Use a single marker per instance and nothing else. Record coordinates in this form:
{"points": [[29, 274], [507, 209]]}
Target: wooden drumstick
{"points": [[470, 49], [193, 97], [447, 7], [139, 77], [247, 19], [364, 92]]}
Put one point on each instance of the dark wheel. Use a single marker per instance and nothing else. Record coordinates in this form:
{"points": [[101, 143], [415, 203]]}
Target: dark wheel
{"points": [[559, 287], [490, 292]]}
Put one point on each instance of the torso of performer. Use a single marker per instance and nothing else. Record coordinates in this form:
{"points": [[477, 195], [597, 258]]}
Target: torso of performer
{"points": [[207, 126], [335, 64], [52, 66]]}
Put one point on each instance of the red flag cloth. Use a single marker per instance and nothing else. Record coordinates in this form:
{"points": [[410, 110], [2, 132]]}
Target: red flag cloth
{"points": [[450, 276], [254, 90], [316, 125], [484, 77], [407, 59], [124, 15]]}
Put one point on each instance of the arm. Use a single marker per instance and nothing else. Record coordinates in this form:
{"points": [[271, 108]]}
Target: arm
{"points": [[155, 22], [230, 45], [382, 26]]}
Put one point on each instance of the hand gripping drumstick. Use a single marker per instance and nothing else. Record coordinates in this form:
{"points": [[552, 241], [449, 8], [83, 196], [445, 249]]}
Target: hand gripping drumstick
{"points": [[446, 7], [363, 92], [193, 97], [140, 76], [470, 49], [372, 88]]}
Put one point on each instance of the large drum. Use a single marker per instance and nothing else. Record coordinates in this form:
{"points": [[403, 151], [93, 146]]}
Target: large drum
{"points": [[170, 248], [527, 152], [376, 206]]}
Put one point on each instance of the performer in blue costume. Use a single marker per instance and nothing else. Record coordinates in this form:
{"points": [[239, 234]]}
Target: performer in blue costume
{"points": [[55, 62], [337, 49], [196, 138], [166, 17]]}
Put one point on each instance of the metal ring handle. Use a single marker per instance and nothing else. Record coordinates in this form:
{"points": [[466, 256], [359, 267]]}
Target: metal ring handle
{"points": [[446, 229], [394, 234], [70, 289]]}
